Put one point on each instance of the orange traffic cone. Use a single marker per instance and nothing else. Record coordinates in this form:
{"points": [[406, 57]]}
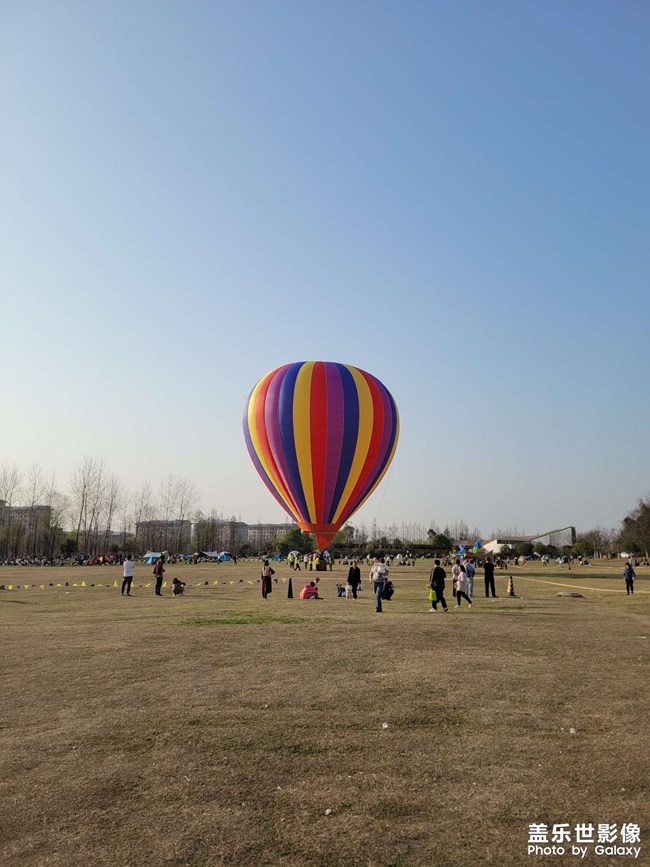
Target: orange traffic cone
{"points": [[511, 587]]}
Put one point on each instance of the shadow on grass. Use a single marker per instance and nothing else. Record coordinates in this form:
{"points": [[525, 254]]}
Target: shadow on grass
{"points": [[244, 619]]}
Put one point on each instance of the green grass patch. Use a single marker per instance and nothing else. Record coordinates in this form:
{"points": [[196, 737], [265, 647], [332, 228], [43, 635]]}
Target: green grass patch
{"points": [[244, 619]]}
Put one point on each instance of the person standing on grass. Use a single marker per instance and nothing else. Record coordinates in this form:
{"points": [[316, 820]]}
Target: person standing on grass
{"points": [[629, 574], [378, 576], [129, 569], [488, 569], [158, 571], [455, 572], [354, 578], [462, 587], [267, 573], [470, 569], [437, 584]]}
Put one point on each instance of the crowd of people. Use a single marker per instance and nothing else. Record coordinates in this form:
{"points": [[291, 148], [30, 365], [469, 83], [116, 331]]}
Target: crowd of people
{"points": [[463, 572]]}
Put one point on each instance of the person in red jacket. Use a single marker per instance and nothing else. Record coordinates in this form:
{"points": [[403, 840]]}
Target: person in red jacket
{"points": [[309, 591]]}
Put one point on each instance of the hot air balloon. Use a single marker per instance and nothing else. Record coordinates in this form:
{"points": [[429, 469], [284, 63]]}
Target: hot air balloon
{"points": [[321, 435]]}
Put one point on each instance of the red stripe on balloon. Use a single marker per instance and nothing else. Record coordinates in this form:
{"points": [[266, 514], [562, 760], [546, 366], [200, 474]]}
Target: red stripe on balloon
{"points": [[335, 425], [378, 423], [318, 423], [389, 414]]}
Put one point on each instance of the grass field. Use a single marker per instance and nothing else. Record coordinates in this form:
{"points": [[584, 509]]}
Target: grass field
{"points": [[222, 729]]}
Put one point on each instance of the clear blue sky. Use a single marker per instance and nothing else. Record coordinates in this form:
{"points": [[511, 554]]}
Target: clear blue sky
{"points": [[450, 195]]}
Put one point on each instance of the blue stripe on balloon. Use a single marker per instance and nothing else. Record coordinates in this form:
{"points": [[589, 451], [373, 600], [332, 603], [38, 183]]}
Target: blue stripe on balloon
{"points": [[260, 469], [393, 434], [350, 435], [390, 420], [287, 438]]}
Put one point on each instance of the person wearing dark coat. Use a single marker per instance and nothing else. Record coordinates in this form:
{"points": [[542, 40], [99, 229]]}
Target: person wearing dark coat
{"points": [[437, 583], [158, 571], [488, 569], [354, 578]]}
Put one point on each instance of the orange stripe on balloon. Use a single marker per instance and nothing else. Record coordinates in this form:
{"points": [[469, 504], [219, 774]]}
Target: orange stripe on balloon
{"points": [[259, 438]]}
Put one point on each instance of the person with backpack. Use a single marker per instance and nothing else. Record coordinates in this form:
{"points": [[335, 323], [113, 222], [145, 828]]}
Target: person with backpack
{"points": [[378, 576]]}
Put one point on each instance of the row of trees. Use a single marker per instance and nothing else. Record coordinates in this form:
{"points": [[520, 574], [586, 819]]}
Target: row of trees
{"points": [[635, 532], [95, 515], [98, 514]]}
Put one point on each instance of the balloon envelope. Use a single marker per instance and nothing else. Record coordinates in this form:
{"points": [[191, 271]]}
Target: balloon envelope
{"points": [[321, 435]]}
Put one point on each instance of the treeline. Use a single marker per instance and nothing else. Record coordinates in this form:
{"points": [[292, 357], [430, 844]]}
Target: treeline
{"points": [[635, 531], [95, 514]]}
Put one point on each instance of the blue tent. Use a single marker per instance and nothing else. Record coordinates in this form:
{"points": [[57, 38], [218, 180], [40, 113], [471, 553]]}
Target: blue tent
{"points": [[150, 558]]}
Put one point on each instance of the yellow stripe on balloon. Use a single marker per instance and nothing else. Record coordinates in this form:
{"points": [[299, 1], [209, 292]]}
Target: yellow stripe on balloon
{"points": [[388, 462], [302, 434], [255, 440], [366, 421]]}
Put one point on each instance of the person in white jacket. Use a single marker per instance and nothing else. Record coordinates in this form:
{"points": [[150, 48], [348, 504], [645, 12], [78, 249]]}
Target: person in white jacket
{"points": [[462, 586], [455, 572]]}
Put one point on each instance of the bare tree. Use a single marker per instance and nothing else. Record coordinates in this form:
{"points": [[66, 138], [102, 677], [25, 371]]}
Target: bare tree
{"points": [[10, 481], [168, 503], [143, 509], [87, 493], [459, 530], [113, 494], [58, 505], [186, 499], [33, 495], [124, 514]]}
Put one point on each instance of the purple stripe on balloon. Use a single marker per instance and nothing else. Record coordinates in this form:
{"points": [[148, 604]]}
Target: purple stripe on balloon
{"points": [[350, 435], [389, 413], [272, 426], [287, 437], [260, 469], [334, 438]]}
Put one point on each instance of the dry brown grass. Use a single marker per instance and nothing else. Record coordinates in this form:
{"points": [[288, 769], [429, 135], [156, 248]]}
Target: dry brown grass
{"points": [[218, 729]]}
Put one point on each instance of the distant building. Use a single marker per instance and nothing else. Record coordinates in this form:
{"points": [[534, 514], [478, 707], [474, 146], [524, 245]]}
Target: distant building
{"points": [[173, 536], [32, 517], [219, 534], [260, 536], [557, 538]]}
